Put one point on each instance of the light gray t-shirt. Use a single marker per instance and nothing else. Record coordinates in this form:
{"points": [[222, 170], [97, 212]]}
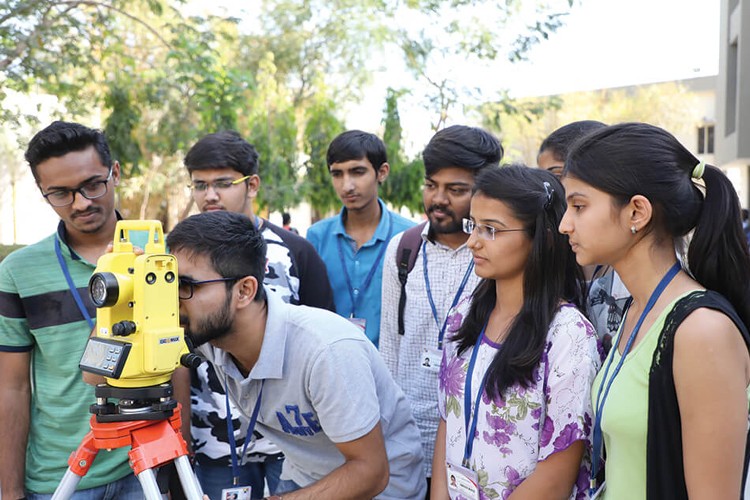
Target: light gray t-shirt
{"points": [[324, 383]]}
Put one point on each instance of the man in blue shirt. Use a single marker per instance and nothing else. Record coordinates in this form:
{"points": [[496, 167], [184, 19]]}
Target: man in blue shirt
{"points": [[352, 243]]}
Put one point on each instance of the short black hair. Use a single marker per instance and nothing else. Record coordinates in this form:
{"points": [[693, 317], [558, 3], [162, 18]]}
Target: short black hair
{"points": [[60, 138], [230, 240], [460, 146], [226, 149], [355, 145], [558, 143]]}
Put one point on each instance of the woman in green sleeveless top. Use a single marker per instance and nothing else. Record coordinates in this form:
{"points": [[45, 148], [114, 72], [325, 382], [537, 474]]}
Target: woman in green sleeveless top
{"points": [[671, 399]]}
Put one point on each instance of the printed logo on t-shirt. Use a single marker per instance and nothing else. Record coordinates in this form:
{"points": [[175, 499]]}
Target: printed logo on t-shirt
{"points": [[209, 430], [303, 423]]}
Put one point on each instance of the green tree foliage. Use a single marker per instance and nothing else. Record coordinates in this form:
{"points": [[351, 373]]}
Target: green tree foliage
{"points": [[161, 80], [180, 91], [121, 127], [272, 129], [321, 128], [316, 39], [403, 188], [59, 46], [445, 36]]}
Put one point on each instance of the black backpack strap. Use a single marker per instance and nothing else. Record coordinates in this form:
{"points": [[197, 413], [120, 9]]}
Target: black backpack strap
{"points": [[406, 256]]}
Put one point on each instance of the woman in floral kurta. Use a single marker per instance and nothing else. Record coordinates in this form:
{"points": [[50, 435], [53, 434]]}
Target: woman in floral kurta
{"points": [[535, 349], [528, 424]]}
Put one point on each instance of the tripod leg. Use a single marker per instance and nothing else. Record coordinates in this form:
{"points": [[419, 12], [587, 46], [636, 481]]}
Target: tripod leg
{"points": [[78, 465], [150, 487], [67, 486], [190, 485]]}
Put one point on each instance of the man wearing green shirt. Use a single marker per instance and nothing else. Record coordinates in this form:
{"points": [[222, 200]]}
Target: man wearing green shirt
{"points": [[46, 317]]}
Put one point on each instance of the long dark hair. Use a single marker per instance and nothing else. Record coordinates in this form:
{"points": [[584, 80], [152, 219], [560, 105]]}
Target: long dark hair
{"points": [[637, 158], [551, 276]]}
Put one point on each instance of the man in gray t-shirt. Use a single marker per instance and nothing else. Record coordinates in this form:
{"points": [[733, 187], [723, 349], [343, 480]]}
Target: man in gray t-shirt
{"points": [[322, 392]]}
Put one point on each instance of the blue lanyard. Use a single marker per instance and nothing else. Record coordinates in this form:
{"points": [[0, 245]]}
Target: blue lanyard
{"points": [[355, 297], [471, 423], [602, 398], [460, 291], [71, 285], [253, 417], [250, 429]]}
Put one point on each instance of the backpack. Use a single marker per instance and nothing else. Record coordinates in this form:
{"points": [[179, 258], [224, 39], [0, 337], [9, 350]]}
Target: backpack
{"points": [[406, 256]]}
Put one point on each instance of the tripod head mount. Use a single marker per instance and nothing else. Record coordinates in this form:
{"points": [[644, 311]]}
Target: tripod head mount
{"points": [[135, 403]]}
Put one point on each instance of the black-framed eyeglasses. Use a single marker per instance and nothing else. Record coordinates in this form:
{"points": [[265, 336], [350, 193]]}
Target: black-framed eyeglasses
{"points": [[90, 190], [187, 286], [484, 231], [217, 184]]}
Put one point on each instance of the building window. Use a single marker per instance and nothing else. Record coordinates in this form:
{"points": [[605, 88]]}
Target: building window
{"points": [[705, 139]]}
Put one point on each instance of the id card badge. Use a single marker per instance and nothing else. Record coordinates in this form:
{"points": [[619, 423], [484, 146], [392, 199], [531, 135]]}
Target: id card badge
{"points": [[600, 492], [360, 323], [430, 359], [462, 482], [236, 493]]}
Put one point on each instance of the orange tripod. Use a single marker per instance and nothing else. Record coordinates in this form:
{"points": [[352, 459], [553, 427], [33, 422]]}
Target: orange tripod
{"points": [[153, 443]]}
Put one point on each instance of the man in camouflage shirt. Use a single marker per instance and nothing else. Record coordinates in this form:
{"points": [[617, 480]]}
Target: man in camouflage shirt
{"points": [[223, 168]]}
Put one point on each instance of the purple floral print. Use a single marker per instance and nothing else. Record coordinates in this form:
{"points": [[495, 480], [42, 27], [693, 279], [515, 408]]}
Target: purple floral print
{"points": [[502, 431], [453, 323], [570, 433], [513, 479], [547, 430], [452, 377], [528, 423]]}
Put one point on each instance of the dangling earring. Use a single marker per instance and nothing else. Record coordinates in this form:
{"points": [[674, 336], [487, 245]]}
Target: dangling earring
{"points": [[633, 230]]}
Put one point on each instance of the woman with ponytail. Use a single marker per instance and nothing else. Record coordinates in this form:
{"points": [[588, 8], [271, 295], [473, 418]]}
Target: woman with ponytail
{"points": [[516, 374], [671, 399]]}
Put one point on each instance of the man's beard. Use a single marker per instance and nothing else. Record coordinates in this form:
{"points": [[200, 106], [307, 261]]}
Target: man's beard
{"points": [[212, 327], [448, 225]]}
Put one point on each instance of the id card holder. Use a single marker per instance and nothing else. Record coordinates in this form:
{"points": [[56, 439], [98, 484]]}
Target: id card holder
{"points": [[430, 359], [462, 482], [360, 323], [236, 493]]}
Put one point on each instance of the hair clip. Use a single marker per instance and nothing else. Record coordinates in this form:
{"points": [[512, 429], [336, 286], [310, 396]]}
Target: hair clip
{"points": [[549, 191], [698, 170]]}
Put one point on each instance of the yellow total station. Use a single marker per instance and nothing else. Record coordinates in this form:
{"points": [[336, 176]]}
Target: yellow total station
{"points": [[138, 340]]}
